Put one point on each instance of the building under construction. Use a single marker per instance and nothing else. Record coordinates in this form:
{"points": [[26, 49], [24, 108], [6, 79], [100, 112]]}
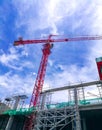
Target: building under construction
{"points": [[82, 111]]}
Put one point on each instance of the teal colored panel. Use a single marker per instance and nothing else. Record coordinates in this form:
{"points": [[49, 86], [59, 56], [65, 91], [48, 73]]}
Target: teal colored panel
{"points": [[99, 59]]}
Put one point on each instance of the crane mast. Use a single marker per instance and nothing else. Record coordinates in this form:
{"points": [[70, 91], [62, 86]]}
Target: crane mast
{"points": [[41, 74]]}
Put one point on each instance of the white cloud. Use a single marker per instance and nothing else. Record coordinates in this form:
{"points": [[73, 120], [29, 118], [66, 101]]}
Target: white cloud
{"points": [[13, 57], [12, 84], [50, 62], [48, 15], [6, 58], [10, 59]]}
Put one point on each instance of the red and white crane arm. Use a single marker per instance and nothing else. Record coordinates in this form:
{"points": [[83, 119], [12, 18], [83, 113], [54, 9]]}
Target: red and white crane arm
{"points": [[49, 40]]}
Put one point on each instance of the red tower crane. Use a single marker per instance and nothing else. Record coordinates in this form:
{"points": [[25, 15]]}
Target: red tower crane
{"points": [[48, 44]]}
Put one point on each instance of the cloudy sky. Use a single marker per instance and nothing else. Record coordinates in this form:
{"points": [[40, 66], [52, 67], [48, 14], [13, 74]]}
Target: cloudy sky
{"points": [[36, 19]]}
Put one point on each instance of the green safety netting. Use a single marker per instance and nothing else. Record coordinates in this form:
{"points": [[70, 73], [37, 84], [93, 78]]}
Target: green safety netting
{"points": [[24, 111], [21, 111], [60, 105], [71, 103]]}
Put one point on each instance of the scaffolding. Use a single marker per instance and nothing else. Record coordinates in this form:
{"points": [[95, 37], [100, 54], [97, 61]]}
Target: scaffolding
{"points": [[66, 115]]}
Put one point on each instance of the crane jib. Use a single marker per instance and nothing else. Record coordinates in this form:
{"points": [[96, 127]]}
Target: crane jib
{"points": [[22, 42]]}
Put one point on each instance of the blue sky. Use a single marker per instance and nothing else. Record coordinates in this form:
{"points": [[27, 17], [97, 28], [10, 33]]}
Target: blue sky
{"points": [[69, 62]]}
